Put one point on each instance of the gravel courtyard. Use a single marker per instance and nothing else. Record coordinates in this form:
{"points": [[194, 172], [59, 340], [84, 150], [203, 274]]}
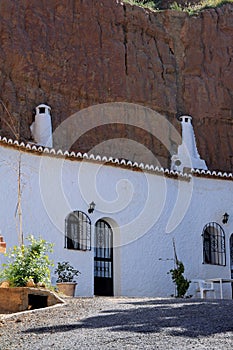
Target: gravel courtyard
{"points": [[122, 323]]}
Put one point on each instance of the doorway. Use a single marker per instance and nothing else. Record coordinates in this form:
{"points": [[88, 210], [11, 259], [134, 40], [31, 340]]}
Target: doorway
{"points": [[103, 259]]}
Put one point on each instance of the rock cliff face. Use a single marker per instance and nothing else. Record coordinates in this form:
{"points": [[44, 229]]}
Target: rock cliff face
{"points": [[86, 52]]}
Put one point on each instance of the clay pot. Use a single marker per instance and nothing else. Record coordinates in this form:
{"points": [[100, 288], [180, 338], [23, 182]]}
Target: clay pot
{"points": [[67, 288]]}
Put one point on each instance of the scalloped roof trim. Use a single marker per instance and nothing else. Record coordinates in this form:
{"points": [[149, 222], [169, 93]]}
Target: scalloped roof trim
{"points": [[211, 173], [120, 162]]}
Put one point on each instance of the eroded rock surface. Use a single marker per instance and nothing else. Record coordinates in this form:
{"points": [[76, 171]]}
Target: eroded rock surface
{"points": [[79, 53]]}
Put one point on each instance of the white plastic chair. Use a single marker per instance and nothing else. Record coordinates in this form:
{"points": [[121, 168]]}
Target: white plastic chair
{"points": [[203, 288]]}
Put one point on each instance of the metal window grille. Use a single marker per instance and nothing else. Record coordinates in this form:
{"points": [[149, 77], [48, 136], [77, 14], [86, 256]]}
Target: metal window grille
{"points": [[78, 231], [214, 251], [103, 250]]}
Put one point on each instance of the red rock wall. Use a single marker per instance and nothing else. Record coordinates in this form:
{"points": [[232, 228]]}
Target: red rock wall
{"points": [[78, 53]]}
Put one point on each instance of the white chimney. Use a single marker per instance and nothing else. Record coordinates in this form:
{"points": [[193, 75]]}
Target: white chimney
{"points": [[187, 155], [41, 128]]}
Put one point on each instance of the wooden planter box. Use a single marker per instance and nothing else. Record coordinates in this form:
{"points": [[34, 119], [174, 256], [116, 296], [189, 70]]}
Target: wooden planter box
{"points": [[17, 299]]}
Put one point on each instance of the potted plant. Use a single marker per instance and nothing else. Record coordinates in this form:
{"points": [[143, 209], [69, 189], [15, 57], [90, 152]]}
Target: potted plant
{"points": [[65, 278]]}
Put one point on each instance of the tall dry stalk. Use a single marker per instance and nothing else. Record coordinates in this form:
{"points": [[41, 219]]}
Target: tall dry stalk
{"points": [[14, 128], [11, 123], [19, 222]]}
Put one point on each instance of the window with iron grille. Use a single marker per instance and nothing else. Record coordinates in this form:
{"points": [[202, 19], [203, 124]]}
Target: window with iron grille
{"points": [[214, 251], [78, 231]]}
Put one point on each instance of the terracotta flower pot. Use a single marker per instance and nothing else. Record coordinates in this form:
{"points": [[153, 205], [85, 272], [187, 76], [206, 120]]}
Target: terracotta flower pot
{"points": [[67, 288]]}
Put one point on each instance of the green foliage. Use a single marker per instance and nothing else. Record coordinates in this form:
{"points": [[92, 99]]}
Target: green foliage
{"points": [[201, 5], [66, 272], [176, 7], [191, 9], [28, 262], [182, 284], [153, 5]]}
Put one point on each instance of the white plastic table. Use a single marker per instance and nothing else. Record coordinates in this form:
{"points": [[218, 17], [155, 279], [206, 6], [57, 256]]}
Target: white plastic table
{"points": [[220, 281]]}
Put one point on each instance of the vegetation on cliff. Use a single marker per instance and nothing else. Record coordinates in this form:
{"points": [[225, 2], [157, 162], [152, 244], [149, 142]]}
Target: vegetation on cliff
{"points": [[192, 7]]}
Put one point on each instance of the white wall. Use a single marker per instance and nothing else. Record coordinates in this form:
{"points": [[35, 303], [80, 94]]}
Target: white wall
{"points": [[145, 210]]}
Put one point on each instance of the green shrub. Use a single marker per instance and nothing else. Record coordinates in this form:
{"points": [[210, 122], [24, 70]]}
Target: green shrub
{"points": [[191, 9], [65, 272], [28, 262], [182, 284], [153, 5], [176, 7]]}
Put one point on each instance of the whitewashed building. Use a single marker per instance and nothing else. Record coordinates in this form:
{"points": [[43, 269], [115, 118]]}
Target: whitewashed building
{"points": [[122, 246]]}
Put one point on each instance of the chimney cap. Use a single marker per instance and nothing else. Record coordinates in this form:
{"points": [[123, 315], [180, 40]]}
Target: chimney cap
{"points": [[43, 106], [185, 118]]}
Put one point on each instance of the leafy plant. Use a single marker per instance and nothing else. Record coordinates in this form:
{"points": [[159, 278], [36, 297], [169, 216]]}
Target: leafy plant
{"points": [[192, 9], [185, 6], [153, 5], [66, 272], [29, 262], [182, 284], [176, 7]]}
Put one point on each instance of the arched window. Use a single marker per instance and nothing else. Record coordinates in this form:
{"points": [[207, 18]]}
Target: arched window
{"points": [[78, 231], [214, 244]]}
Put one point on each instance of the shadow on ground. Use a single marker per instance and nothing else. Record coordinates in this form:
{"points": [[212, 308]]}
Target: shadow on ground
{"points": [[189, 318]]}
